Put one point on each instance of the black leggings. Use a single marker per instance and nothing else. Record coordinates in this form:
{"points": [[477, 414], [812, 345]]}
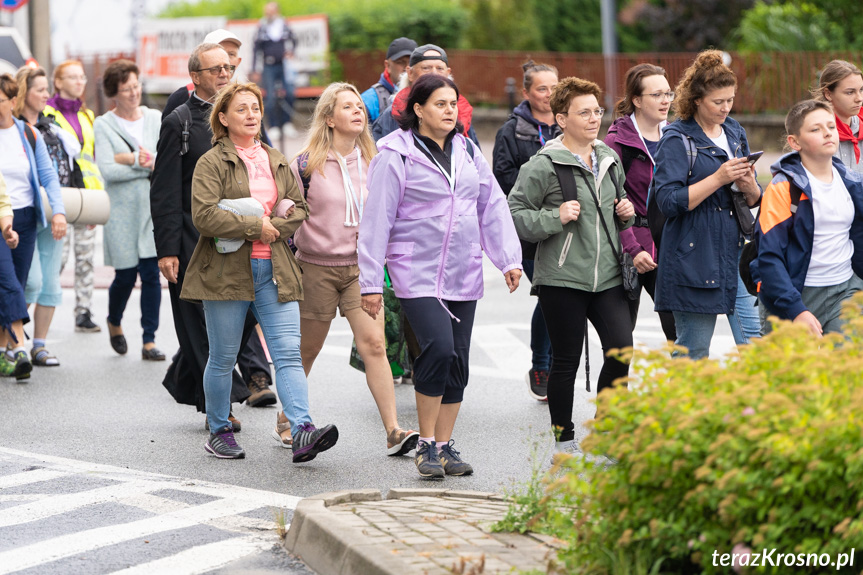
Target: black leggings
{"points": [[648, 282], [442, 367], [565, 310]]}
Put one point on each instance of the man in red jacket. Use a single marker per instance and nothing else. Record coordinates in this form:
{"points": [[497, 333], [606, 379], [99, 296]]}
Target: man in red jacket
{"points": [[427, 59]]}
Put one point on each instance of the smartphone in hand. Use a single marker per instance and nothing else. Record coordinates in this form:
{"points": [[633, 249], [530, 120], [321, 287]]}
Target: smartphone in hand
{"points": [[753, 157]]}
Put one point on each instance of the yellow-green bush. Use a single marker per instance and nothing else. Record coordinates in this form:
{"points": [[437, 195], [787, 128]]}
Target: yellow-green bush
{"points": [[763, 449]]}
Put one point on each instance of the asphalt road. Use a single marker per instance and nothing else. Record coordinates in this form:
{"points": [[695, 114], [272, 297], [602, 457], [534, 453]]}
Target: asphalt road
{"points": [[101, 419]]}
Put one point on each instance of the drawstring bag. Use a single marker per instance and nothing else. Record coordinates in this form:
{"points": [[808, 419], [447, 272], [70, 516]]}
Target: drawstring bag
{"points": [[394, 334]]}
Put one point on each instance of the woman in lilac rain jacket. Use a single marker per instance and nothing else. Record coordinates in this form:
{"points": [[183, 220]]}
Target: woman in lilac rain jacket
{"points": [[433, 208]]}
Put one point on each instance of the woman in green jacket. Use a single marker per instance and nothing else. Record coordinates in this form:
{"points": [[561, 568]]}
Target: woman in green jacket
{"points": [[576, 275], [261, 273]]}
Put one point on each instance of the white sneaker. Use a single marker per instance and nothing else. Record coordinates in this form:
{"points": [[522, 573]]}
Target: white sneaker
{"points": [[570, 447], [289, 131]]}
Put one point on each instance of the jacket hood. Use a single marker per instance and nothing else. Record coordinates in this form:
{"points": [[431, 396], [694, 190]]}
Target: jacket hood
{"points": [[523, 111], [791, 166], [402, 142], [560, 154], [627, 135]]}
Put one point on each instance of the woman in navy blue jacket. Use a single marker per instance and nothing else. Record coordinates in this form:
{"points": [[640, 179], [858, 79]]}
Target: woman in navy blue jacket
{"points": [[701, 240]]}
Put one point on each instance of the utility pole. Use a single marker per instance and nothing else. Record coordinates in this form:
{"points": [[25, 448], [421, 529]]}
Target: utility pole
{"points": [[40, 32], [609, 50]]}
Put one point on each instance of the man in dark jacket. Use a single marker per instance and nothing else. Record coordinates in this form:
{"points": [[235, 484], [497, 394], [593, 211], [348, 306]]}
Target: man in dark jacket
{"points": [[427, 59], [275, 43], [176, 236]]}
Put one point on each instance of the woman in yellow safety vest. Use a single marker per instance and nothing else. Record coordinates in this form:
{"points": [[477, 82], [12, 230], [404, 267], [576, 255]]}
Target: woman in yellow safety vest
{"points": [[71, 114]]}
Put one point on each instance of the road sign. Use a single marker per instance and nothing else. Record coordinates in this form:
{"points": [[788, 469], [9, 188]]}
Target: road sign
{"points": [[12, 5]]}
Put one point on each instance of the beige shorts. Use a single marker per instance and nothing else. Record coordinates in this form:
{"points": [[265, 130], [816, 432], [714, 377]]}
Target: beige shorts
{"points": [[326, 288]]}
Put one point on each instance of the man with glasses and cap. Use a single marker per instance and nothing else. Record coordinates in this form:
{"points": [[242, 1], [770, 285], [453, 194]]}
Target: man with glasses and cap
{"points": [[427, 59], [185, 136], [377, 98]]}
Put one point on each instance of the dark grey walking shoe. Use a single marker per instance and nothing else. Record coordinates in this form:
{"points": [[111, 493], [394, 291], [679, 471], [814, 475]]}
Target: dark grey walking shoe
{"points": [[427, 460], [223, 445], [452, 462], [309, 441]]}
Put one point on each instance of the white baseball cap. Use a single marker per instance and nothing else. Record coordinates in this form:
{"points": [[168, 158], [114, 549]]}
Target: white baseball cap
{"points": [[220, 35]]}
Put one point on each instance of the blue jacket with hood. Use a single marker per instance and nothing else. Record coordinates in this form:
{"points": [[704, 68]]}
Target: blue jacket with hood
{"points": [[785, 239], [699, 248]]}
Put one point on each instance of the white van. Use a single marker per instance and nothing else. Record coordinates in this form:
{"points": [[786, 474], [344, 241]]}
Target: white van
{"points": [[14, 52]]}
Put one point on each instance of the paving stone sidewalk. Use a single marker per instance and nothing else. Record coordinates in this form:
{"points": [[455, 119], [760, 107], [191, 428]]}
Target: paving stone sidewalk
{"points": [[412, 531]]}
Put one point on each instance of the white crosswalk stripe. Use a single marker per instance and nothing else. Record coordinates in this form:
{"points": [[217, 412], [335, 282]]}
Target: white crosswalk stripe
{"points": [[208, 505]]}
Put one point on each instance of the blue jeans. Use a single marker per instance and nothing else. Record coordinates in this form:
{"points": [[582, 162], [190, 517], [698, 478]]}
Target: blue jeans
{"points": [[151, 295], [43, 282], [695, 330], [280, 322], [273, 78], [540, 344]]}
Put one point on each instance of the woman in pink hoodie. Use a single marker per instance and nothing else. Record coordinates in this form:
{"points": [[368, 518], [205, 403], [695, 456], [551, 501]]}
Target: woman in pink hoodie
{"points": [[332, 169]]}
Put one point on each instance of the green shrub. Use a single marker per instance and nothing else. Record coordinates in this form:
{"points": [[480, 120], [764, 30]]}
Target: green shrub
{"points": [[354, 24], [763, 449]]}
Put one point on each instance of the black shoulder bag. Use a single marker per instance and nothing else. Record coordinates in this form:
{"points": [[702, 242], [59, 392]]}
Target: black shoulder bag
{"points": [[627, 267]]}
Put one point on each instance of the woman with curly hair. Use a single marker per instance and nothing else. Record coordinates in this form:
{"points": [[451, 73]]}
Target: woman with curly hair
{"points": [[701, 163]]}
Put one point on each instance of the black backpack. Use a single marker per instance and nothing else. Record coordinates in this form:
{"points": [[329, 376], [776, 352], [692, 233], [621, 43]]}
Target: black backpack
{"points": [[750, 250], [655, 217]]}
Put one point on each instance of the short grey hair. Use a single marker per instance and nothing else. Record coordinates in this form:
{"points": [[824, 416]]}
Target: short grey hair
{"points": [[195, 56]]}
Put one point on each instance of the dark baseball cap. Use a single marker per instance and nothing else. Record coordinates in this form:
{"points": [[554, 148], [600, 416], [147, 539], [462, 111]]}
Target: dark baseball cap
{"points": [[400, 47], [418, 55]]}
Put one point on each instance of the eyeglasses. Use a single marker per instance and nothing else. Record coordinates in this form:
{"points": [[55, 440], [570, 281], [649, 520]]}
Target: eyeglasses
{"points": [[130, 89], [586, 114], [76, 78], [5, 100], [660, 96], [216, 70]]}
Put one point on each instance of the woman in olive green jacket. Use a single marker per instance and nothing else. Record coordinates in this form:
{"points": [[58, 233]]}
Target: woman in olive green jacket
{"points": [[576, 273], [262, 273]]}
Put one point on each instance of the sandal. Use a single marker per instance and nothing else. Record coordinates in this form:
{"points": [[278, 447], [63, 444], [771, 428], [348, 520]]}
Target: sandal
{"points": [[286, 442], [42, 357]]}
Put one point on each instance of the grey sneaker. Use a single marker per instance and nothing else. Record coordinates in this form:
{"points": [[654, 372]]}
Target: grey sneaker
{"points": [[83, 322], [452, 462], [223, 445], [428, 463], [309, 441]]}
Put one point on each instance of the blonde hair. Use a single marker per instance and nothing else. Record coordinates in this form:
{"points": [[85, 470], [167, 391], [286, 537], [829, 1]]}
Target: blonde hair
{"points": [[834, 72], [223, 100], [706, 74], [25, 77], [320, 138], [58, 72]]}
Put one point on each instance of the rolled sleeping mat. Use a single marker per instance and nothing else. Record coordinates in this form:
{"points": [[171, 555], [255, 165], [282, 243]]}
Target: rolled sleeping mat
{"points": [[83, 206]]}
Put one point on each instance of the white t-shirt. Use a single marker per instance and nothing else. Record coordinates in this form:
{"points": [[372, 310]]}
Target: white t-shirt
{"points": [[722, 142], [134, 128], [831, 246], [15, 167]]}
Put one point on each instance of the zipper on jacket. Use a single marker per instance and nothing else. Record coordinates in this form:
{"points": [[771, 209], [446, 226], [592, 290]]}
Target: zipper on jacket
{"points": [[565, 250], [598, 245], [222, 266]]}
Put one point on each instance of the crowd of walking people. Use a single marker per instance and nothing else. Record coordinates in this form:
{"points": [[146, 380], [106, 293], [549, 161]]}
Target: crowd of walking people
{"points": [[391, 191]]}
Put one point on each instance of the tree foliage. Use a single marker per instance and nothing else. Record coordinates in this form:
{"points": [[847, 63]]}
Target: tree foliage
{"points": [[354, 24], [815, 25], [788, 27], [501, 25], [687, 26]]}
